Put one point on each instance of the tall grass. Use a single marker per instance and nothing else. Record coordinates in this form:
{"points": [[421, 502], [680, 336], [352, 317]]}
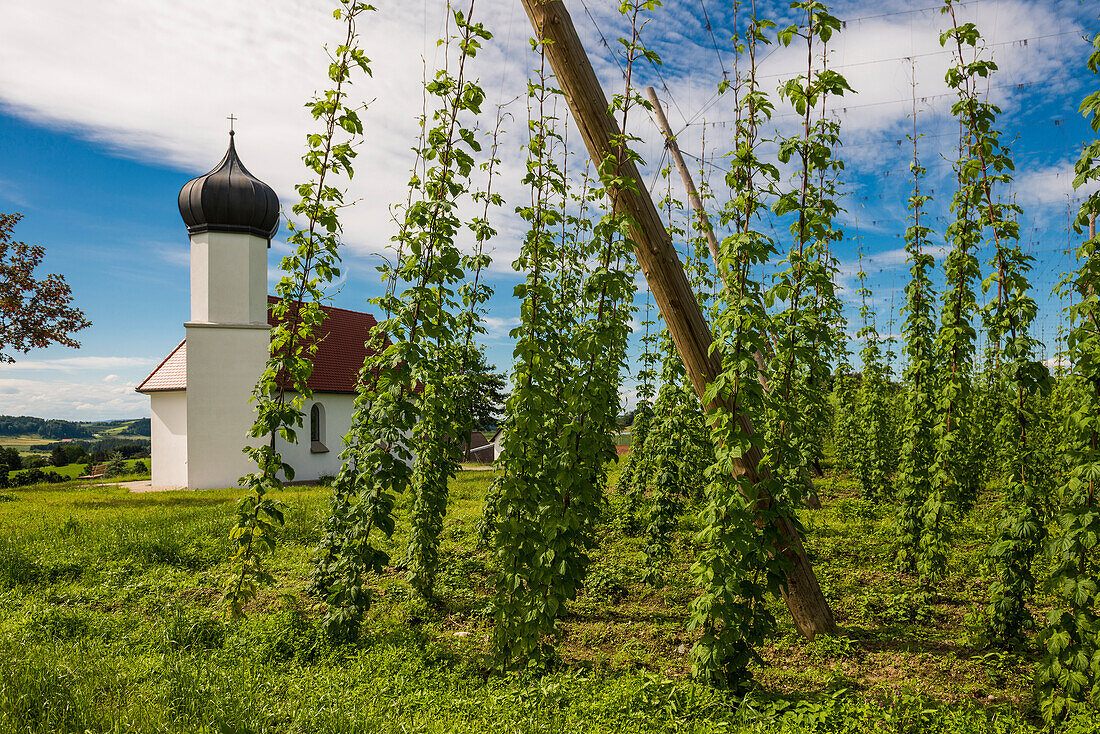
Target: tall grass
{"points": [[109, 622]]}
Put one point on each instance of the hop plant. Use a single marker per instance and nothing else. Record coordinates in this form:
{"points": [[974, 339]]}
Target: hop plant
{"points": [[875, 449], [283, 388], [1068, 677], [917, 452]]}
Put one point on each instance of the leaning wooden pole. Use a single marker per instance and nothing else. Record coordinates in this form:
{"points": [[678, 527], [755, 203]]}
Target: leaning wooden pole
{"points": [[685, 174], [700, 213], [667, 280]]}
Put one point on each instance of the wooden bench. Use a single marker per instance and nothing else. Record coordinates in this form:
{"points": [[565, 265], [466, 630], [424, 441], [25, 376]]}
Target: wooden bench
{"points": [[98, 471]]}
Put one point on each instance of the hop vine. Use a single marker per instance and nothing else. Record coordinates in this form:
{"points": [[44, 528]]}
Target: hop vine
{"points": [[1068, 678], [407, 421], [283, 388], [914, 480]]}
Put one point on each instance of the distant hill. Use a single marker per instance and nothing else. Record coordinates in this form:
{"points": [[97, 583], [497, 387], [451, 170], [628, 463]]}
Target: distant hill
{"points": [[140, 427], [11, 425]]}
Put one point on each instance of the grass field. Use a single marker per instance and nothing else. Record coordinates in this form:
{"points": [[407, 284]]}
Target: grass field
{"points": [[72, 471], [110, 621]]}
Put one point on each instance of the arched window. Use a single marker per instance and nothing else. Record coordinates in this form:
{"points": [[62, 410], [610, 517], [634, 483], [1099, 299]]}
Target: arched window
{"points": [[317, 429]]}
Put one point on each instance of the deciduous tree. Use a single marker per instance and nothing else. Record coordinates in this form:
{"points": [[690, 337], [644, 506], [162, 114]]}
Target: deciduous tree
{"points": [[33, 312]]}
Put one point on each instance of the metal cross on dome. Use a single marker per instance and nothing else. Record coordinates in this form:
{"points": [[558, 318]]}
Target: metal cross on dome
{"points": [[231, 118]]}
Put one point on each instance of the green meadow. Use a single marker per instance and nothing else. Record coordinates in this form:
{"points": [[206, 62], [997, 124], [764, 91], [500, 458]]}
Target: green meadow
{"points": [[110, 621]]}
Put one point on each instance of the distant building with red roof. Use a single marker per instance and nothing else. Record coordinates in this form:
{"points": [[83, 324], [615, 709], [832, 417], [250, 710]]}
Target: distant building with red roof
{"points": [[199, 393]]}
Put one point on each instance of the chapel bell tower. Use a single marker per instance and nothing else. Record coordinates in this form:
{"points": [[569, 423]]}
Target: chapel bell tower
{"points": [[231, 217]]}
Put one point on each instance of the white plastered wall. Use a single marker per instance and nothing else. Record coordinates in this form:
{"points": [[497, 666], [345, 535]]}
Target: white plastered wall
{"points": [[308, 466], [228, 278], [223, 363], [227, 344], [169, 438]]}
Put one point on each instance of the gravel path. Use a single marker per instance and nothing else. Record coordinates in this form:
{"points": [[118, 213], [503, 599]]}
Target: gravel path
{"points": [[143, 485]]}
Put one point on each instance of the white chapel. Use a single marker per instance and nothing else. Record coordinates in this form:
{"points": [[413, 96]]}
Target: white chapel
{"points": [[199, 393]]}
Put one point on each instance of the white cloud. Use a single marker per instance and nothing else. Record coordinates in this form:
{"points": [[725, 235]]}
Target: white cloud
{"points": [[76, 364], [1046, 186], [71, 400], [10, 192], [155, 81], [74, 388], [498, 328], [878, 261], [885, 260], [174, 254]]}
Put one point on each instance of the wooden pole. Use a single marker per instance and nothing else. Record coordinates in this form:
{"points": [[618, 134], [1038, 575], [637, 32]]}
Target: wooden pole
{"points": [[670, 287], [685, 174], [812, 500], [700, 214]]}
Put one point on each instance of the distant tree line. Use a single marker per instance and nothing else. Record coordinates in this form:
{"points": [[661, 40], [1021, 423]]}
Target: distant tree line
{"points": [[11, 425], [63, 454], [10, 459], [11, 462], [140, 427], [96, 450], [30, 476]]}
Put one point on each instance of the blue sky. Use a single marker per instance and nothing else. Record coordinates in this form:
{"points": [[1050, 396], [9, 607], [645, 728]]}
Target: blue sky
{"points": [[106, 110]]}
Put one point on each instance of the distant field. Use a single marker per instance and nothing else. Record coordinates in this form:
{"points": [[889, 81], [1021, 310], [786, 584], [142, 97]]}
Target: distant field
{"points": [[22, 432], [20, 441], [23, 443], [27, 440], [72, 471], [114, 430]]}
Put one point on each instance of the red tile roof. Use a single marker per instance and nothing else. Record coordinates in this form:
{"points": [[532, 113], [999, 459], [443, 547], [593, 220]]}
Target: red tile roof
{"points": [[342, 349], [170, 374], [336, 365]]}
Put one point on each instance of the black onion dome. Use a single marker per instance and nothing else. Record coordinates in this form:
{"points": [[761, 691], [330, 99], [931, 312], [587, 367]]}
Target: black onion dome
{"points": [[229, 199]]}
